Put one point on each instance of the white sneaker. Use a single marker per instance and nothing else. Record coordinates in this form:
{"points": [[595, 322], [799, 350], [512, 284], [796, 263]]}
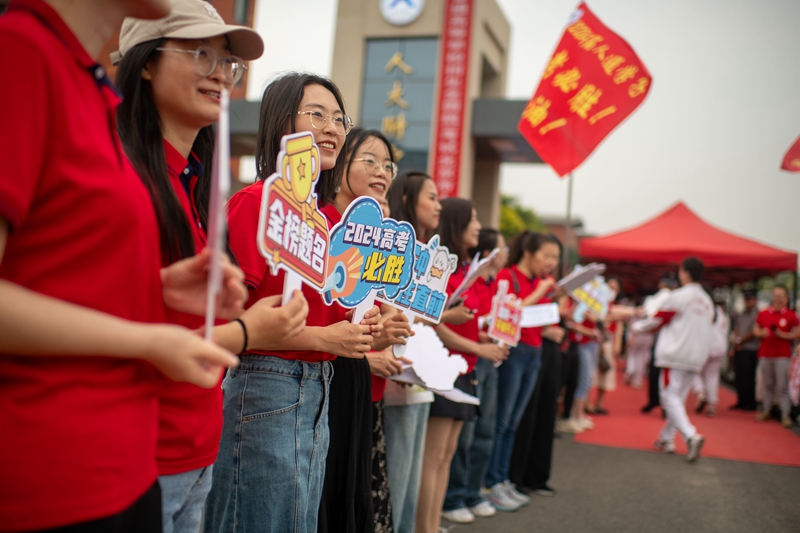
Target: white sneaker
{"points": [[483, 510], [459, 516], [500, 500], [570, 426], [516, 495], [695, 444], [585, 423]]}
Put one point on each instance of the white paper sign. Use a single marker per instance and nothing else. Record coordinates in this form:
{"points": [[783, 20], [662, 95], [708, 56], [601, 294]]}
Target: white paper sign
{"points": [[476, 269], [535, 316]]}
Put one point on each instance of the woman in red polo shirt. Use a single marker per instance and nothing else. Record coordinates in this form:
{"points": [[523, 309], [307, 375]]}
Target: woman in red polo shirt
{"points": [[348, 505], [458, 230], [268, 476], [173, 86], [777, 327], [532, 257], [81, 286]]}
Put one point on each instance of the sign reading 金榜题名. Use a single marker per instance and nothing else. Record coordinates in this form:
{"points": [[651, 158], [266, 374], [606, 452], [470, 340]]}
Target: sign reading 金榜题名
{"points": [[506, 316], [426, 295], [292, 232], [369, 253], [591, 84]]}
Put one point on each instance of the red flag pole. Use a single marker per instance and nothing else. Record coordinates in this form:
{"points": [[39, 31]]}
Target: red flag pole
{"points": [[567, 224]]}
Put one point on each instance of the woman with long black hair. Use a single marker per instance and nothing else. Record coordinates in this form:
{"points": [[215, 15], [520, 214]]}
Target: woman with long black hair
{"points": [[458, 229], [531, 260], [171, 88], [275, 436], [82, 287], [348, 504]]}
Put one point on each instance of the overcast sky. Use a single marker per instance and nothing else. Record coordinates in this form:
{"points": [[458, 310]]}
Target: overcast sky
{"points": [[723, 108]]}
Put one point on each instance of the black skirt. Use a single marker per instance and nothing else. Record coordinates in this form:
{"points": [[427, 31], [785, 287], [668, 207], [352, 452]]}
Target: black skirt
{"points": [[346, 505], [444, 408]]}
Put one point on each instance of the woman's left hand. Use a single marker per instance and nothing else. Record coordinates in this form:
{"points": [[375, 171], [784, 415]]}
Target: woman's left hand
{"points": [[396, 330], [384, 364], [185, 286], [553, 333]]}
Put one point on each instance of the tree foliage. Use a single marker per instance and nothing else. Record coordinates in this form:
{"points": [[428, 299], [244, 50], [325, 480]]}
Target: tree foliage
{"points": [[515, 218]]}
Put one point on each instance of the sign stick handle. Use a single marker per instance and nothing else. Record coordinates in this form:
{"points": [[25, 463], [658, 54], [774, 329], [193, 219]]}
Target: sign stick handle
{"points": [[291, 282], [399, 350], [363, 307], [502, 345]]}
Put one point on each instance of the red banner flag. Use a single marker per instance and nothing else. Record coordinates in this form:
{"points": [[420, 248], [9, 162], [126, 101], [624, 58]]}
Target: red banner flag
{"points": [[592, 83], [791, 161]]}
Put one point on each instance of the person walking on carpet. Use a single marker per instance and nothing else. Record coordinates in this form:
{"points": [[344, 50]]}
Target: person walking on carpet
{"points": [[686, 319]]}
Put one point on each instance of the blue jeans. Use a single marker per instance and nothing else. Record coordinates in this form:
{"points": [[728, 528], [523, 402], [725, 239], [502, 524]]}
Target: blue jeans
{"points": [[515, 383], [271, 464], [405, 427], [589, 354], [471, 460], [182, 498]]}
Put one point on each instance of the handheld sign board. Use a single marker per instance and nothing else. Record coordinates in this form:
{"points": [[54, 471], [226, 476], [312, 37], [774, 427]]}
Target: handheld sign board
{"points": [[368, 253], [292, 231], [506, 316], [426, 295]]}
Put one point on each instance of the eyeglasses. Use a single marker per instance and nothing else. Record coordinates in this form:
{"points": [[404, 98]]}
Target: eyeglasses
{"points": [[373, 166], [206, 60], [342, 123]]}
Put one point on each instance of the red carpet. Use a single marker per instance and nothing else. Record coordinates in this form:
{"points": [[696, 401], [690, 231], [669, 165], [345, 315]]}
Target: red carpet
{"points": [[732, 435]]}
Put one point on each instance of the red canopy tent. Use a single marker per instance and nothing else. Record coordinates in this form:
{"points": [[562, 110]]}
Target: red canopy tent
{"points": [[641, 254]]}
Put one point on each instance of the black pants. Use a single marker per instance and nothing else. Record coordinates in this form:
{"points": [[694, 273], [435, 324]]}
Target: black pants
{"points": [[570, 369], [346, 505], [532, 457], [745, 363], [654, 398], [144, 516]]}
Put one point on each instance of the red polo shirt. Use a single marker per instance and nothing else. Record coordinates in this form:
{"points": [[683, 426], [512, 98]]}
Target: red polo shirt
{"points": [[522, 286], [77, 434], [189, 417], [243, 210], [469, 329], [485, 289], [783, 320]]}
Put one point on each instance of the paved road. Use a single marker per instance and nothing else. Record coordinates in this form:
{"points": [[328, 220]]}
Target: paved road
{"points": [[618, 491]]}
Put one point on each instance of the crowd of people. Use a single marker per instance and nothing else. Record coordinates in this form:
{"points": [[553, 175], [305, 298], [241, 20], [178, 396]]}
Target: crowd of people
{"points": [[120, 417]]}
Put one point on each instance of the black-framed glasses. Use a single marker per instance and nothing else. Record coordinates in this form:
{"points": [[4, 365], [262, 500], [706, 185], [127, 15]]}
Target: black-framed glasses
{"points": [[206, 60], [372, 166], [342, 123]]}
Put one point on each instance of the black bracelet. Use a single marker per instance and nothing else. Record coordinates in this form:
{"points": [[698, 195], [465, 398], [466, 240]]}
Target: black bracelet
{"points": [[244, 330]]}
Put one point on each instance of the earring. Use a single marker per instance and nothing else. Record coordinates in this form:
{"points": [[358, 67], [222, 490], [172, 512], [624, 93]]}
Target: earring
{"points": [[337, 190]]}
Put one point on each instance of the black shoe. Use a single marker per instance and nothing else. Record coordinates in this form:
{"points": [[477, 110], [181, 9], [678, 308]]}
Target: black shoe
{"points": [[700, 407], [544, 490], [735, 406], [748, 408], [600, 411], [649, 407]]}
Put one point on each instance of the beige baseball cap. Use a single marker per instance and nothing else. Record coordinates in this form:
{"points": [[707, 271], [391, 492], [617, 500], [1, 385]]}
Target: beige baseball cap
{"points": [[189, 19]]}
